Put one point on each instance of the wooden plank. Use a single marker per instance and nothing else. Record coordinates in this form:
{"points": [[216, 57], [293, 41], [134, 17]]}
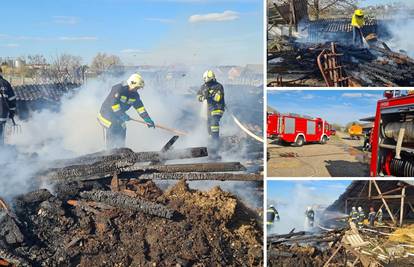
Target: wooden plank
{"points": [[402, 206], [383, 200]]}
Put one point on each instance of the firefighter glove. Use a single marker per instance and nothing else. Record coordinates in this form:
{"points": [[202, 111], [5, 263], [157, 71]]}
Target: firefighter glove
{"points": [[150, 122]]}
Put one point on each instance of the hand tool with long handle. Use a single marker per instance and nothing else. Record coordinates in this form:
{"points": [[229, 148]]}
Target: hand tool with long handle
{"points": [[177, 132]]}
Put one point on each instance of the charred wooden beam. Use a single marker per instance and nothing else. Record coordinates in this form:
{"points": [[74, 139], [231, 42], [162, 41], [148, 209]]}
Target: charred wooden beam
{"points": [[194, 167], [122, 201], [106, 167], [200, 176], [127, 156]]}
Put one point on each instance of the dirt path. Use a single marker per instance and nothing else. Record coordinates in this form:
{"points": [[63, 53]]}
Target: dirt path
{"points": [[340, 157]]}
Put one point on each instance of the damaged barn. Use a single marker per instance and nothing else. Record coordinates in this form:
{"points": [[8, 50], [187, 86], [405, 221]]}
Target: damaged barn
{"points": [[320, 52], [339, 241]]}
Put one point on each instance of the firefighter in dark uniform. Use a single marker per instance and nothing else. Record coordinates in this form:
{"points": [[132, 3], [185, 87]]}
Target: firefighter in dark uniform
{"points": [[271, 216], [7, 106], [310, 217], [213, 92], [112, 115]]}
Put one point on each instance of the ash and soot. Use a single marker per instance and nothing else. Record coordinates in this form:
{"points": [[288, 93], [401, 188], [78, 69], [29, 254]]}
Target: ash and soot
{"points": [[65, 204]]}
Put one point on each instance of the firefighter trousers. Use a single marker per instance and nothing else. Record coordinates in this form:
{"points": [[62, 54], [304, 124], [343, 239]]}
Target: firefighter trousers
{"points": [[357, 37], [115, 136], [2, 132], [213, 126]]}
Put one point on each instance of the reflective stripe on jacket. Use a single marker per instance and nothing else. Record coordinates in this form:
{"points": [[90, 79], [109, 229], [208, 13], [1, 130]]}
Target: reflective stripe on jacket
{"points": [[358, 22], [213, 92], [119, 100]]}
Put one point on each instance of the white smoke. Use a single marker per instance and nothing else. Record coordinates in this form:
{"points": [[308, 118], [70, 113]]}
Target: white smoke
{"points": [[75, 131], [292, 210], [401, 40]]}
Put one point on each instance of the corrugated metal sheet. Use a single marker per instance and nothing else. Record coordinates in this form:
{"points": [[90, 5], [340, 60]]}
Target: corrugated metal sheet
{"points": [[337, 25], [51, 92]]}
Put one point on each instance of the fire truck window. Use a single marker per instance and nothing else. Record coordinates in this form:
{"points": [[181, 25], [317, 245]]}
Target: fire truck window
{"points": [[310, 129], [289, 125]]}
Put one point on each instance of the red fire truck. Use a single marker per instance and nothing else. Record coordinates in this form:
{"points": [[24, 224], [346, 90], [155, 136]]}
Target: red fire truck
{"points": [[392, 138], [297, 129]]}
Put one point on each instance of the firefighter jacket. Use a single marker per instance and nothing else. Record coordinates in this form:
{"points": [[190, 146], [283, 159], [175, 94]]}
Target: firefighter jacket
{"points": [[310, 214], [8, 100], [213, 92], [361, 216], [357, 21], [119, 100], [354, 216], [271, 215]]}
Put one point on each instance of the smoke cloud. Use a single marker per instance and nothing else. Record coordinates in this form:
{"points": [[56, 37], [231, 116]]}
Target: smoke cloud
{"points": [[292, 210], [169, 98]]}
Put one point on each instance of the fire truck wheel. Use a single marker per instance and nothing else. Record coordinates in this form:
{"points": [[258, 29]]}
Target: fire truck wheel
{"points": [[324, 140], [300, 141]]}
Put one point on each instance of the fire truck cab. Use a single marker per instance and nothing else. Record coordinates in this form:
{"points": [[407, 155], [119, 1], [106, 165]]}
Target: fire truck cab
{"points": [[297, 129], [392, 137]]}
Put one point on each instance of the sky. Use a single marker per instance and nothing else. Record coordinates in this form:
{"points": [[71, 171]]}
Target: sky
{"points": [[334, 106], [320, 192], [214, 32]]}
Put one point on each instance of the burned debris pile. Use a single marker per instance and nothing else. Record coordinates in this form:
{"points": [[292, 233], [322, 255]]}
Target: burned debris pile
{"points": [[332, 64], [138, 225], [104, 209], [341, 247]]}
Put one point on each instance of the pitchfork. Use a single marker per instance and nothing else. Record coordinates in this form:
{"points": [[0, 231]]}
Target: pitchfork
{"points": [[14, 128]]}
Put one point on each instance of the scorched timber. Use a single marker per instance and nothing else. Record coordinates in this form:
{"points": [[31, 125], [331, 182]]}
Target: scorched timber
{"points": [[200, 176], [106, 166], [130, 157], [122, 201], [195, 167]]}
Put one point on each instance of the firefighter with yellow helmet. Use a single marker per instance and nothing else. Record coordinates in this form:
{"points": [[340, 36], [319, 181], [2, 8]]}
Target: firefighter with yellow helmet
{"points": [[113, 115], [213, 92], [358, 22]]}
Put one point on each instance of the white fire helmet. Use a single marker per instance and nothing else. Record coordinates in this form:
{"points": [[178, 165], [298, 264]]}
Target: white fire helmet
{"points": [[135, 81], [209, 76], [359, 208], [354, 208]]}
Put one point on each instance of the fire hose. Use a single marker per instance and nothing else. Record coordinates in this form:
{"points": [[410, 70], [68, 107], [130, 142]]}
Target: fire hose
{"points": [[247, 131]]}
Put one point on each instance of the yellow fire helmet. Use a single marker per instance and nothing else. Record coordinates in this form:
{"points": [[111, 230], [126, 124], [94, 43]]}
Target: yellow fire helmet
{"points": [[359, 13], [135, 82], [209, 76]]}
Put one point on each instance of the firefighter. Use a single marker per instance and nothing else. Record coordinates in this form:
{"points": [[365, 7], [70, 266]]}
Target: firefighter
{"points": [[361, 217], [272, 215], [8, 105], [354, 215], [310, 217], [213, 92], [113, 115], [358, 21], [371, 216]]}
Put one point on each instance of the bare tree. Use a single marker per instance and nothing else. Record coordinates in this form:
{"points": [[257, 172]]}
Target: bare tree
{"points": [[63, 68], [103, 62], [318, 7], [36, 60]]}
